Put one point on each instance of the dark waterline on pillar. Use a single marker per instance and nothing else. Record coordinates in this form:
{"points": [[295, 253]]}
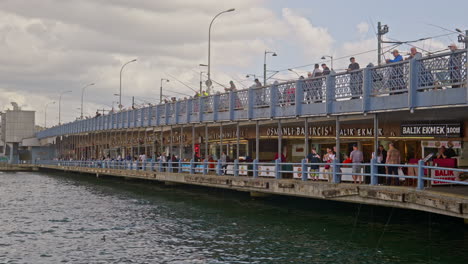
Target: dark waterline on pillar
{"points": [[53, 218]]}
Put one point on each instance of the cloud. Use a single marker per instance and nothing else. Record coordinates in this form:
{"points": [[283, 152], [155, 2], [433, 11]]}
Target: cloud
{"points": [[315, 41], [50, 46], [362, 28]]}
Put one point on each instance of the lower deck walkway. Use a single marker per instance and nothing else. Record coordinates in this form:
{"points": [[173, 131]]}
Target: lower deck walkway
{"points": [[450, 201]]}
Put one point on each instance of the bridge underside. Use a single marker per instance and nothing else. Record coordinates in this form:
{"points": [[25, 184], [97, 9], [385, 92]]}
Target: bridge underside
{"points": [[439, 202]]}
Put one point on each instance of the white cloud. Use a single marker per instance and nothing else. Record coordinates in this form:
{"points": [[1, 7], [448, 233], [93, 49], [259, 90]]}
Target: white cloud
{"points": [[54, 45], [362, 28], [315, 41]]}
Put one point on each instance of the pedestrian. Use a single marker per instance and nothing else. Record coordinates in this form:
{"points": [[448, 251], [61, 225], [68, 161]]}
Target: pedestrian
{"points": [[396, 57], [381, 159], [441, 153], [356, 157], [257, 84], [314, 157], [355, 80], [326, 70], [455, 65], [396, 80], [232, 87], [224, 163], [450, 152], [328, 158], [393, 157], [317, 83], [414, 54]]}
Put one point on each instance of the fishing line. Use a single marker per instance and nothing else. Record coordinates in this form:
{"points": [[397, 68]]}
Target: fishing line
{"points": [[385, 227]]}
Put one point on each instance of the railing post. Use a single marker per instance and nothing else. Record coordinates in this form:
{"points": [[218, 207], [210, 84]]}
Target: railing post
{"points": [[251, 103], [304, 169], [152, 165], [366, 89], [180, 164], [218, 167], [232, 105], [255, 168], [420, 175], [205, 166], [236, 167], [273, 98], [192, 168], [215, 107], [413, 82], [160, 169], [330, 93], [201, 107], [299, 97], [373, 171], [335, 172], [277, 169], [170, 165]]}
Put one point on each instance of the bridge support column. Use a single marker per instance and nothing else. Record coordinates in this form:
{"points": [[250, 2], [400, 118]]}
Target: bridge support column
{"points": [[336, 168]]}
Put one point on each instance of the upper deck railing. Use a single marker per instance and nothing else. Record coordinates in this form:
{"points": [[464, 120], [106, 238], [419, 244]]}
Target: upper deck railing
{"points": [[438, 80]]}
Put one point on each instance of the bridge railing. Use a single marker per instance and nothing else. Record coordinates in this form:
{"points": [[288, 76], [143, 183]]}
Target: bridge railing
{"points": [[373, 173], [441, 71]]}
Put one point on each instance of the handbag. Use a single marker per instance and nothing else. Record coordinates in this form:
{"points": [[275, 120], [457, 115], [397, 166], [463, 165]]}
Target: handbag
{"points": [[327, 167]]}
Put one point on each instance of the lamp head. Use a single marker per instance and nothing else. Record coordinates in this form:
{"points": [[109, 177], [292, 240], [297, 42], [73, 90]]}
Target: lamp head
{"points": [[133, 60], [230, 10], [323, 57], [274, 54]]}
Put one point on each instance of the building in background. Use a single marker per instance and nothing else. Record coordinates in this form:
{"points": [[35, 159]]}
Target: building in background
{"points": [[16, 125]]}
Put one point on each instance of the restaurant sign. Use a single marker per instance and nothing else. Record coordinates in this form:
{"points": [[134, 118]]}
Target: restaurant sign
{"points": [[436, 130]]}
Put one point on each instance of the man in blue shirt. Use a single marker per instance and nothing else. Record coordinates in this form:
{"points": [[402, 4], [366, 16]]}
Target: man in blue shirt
{"points": [[397, 57], [396, 81]]}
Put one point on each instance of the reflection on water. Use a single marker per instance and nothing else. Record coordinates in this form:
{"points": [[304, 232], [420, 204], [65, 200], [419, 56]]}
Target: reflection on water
{"points": [[72, 218]]}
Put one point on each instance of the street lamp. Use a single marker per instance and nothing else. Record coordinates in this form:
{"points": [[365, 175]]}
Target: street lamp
{"points": [[82, 96], [60, 104], [264, 64], [120, 90], [331, 59], [201, 72], [160, 91], [291, 70], [208, 82], [45, 113]]}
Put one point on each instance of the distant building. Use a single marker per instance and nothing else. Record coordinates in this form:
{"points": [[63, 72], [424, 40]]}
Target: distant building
{"points": [[16, 125]]}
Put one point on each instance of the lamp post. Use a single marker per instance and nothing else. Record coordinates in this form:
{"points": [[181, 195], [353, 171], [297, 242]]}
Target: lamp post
{"points": [[201, 72], [45, 113], [60, 104], [120, 90], [331, 59], [208, 82], [82, 96], [291, 70], [264, 64], [160, 91]]}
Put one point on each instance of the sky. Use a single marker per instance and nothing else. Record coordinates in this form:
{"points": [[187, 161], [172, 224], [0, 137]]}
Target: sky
{"points": [[54, 46]]}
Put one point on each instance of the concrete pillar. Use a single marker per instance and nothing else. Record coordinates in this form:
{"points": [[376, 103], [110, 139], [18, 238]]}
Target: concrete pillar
{"points": [[257, 140]]}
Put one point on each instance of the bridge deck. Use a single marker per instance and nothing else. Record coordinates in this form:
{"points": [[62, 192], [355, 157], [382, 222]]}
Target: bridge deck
{"points": [[451, 201]]}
